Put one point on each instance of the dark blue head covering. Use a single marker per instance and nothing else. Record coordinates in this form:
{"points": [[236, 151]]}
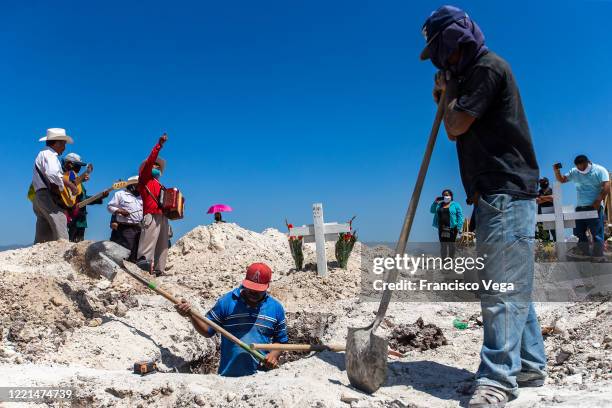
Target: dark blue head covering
{"points": [[447, 29]]}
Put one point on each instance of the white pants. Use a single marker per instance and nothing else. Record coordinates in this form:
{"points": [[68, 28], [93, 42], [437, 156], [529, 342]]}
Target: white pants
{"points": [[153, 244]]}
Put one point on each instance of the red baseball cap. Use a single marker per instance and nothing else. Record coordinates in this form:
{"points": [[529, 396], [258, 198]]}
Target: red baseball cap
{"points": [[258, 277]]}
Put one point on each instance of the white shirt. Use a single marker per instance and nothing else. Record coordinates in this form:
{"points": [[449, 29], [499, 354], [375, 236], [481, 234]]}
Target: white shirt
{"points": [[124, 200], [49, 165]]}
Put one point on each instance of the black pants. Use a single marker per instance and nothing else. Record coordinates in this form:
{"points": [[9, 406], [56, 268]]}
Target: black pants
{"points": [[75, 234], [127, 235], [447, 244]]}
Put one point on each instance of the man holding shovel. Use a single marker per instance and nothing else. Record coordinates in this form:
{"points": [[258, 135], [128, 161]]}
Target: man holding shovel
{"points": [[485, 117], [249, 313]]}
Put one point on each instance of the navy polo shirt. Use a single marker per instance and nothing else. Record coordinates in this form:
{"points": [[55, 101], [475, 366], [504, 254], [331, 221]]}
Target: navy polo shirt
{"points": [[264, 323]]}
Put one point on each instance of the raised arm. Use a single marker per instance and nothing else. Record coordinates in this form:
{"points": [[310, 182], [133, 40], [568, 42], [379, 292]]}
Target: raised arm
{"points": [[145, 173], [560, 177]]}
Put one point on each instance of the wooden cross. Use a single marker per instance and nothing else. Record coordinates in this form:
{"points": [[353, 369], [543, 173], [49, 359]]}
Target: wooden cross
{"points": [[319, 232], [560, 217]]}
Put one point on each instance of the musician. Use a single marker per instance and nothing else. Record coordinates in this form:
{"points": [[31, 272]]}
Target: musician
{"points": [[77, 217], [126, 207], [48, 182], [153, 244]]}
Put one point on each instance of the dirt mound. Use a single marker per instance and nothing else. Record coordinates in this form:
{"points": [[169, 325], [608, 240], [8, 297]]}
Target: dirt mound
{"points": [[211, 260], [416, 336]]}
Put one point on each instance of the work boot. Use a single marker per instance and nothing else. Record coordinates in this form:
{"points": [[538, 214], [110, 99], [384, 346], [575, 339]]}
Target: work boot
{"points": [[487, 396], [528, 379]]}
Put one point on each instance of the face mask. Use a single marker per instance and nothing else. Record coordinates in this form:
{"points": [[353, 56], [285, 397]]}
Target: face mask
{"points": [[156, 173], [585, 171], [447, 199]]}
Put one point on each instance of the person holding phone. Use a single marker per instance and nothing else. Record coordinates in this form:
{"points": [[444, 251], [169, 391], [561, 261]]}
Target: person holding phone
{"points": [[448, 219], [592, 186]]}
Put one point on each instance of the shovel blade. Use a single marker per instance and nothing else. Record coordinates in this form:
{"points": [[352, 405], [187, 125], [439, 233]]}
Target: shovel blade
{"points": [[103, 258], [366, 359]]}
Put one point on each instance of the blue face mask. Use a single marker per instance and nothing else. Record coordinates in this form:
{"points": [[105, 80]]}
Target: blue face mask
{"points": [[155, 173]]}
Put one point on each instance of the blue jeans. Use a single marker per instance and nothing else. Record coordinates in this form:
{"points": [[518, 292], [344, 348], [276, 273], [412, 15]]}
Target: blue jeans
{"points": [[512, 344], [596, 226]]}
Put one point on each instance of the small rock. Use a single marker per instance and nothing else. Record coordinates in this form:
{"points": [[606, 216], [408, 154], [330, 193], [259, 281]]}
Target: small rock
{"points": [[56, 302], [120, 309], [596, 344], [559, 399], [230, 397], [199, 400], [349, 398], [118, 392], [94, 322], [574, 379], [563, 355], [167, 390]]}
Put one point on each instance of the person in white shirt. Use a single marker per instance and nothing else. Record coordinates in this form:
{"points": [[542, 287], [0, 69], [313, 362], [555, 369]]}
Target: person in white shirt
{"points": [[126, 207], [48, 181]]}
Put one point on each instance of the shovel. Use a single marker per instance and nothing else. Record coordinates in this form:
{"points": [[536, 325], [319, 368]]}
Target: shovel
{"points": [[366, 353], [131, 269]]}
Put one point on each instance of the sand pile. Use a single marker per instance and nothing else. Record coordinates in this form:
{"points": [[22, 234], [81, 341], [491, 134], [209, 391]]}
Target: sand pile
{"points": [[212, 259], [54, 312]]}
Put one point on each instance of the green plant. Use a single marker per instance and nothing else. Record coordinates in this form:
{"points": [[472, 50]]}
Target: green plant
{"points": [[296, 247], [344, 245]]}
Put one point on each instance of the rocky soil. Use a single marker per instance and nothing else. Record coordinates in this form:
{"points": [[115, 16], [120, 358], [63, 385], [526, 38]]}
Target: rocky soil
{"points": [[61, 326]]}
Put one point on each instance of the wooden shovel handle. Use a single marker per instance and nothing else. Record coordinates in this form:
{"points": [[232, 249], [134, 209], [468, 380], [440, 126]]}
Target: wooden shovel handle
{"points": [[412, 207], [298, 347], [309, 347]]}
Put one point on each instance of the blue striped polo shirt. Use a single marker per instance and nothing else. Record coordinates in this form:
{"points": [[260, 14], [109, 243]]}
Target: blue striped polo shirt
{"points": [[262, 324]]}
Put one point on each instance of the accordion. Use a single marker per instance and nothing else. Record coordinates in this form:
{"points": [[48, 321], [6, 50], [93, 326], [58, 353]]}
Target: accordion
{"points": [[172, 203]]}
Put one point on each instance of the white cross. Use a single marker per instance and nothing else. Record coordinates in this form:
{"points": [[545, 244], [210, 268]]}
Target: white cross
{"points": [[560, 217], [319, 232]]}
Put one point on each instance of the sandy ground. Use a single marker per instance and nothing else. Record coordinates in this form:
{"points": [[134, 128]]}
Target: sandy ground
{"points": [[62, 327]]}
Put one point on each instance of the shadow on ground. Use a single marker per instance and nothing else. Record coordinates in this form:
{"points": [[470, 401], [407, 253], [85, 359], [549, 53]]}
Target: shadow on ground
{"points": [[438, 380]]}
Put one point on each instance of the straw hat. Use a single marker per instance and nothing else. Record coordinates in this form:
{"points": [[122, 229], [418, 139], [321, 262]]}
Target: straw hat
{"points": [[56, 134], [160, 161]]}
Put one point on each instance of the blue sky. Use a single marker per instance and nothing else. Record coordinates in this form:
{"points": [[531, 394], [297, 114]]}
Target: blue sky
{"points": [[272, 106]]}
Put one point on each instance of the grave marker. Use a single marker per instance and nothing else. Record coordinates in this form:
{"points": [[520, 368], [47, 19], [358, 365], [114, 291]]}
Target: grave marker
{"points": [[560, 218], [319, 232]]}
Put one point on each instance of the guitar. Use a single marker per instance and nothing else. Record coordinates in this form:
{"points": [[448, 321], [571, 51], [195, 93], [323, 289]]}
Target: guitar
{"points": [[68, 198], [74, 211], [116, 186]]}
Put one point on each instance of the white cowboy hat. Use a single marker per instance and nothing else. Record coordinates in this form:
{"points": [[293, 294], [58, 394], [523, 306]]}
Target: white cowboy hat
{"points": [[160, 161], [132, 178], [56, 134]]}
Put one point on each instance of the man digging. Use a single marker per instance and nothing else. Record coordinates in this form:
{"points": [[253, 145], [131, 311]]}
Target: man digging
{"points": [[249, 313], [485, 117]]}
